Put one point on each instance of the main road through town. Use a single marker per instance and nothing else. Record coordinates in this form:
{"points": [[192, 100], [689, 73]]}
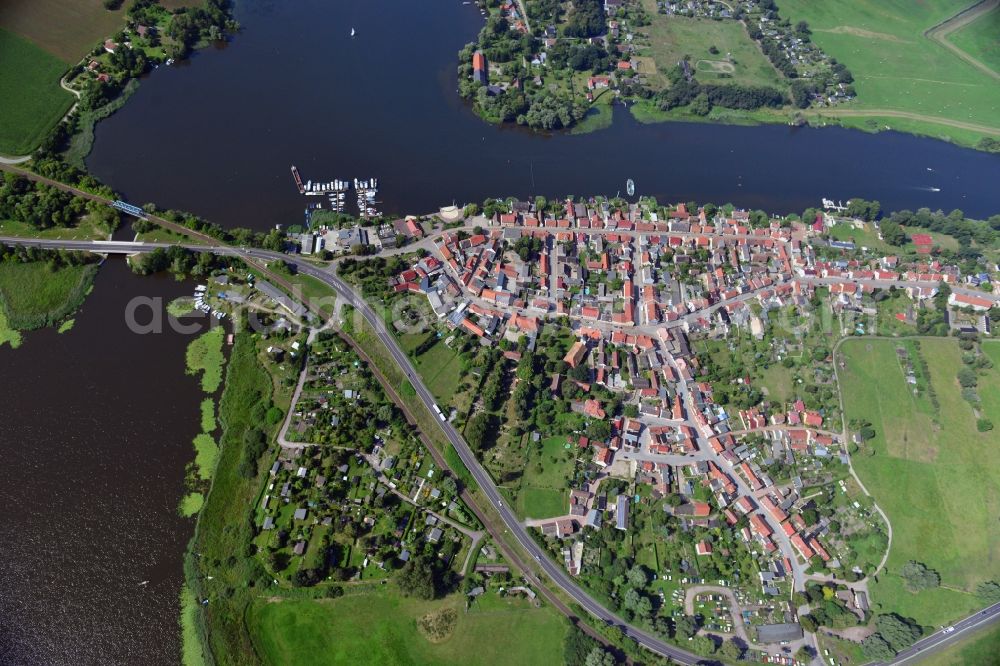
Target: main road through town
{"points": [[555, 573]]}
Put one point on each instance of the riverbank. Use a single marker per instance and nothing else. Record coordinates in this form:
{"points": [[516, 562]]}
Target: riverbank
{"points": [[223, 530], [57, 80], [104, 447], [869, 121], [37, 294], [694, 66]]}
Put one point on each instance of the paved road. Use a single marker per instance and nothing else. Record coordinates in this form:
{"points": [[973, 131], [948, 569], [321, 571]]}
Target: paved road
{"points": [[555, 573], [482, 478], [939, 639]]}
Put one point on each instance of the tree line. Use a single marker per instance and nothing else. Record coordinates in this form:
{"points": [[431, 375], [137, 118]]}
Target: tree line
{"points": [[43, 207], [701, 97]]}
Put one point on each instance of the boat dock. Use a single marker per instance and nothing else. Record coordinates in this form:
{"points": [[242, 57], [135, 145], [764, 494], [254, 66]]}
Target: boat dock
{"points": [[336, 193]]}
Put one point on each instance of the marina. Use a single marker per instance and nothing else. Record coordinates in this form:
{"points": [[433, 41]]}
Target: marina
{"points": [[336, 193], [200, 293]]}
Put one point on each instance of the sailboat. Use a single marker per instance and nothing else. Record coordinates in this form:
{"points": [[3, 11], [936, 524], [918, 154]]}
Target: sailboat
{"points": [[630, 187], [352, 32]]}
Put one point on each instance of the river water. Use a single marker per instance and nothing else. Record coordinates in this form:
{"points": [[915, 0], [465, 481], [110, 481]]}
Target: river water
{"points": [[217, 136], [95, 431]]}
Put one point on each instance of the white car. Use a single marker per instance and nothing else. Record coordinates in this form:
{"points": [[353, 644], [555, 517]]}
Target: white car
{"points": [[948, 630]]}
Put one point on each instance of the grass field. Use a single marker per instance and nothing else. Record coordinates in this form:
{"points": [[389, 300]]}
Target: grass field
{"points": [[87, 229], [936, 477], [861, 237], [321, 295], [68, 29], [161, 235], [33, 295], [543, 491], [777, 379], [31, 101], [981, 648], [440, 366], [381, 629], [673, 37], [897, 68], [981, 39], [364, 335]]}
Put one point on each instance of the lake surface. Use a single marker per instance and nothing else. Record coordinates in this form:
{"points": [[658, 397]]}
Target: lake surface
{"points": [[95, 431], [216, 136]]}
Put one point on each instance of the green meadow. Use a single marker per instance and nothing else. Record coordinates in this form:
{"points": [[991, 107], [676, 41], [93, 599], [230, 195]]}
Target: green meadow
{"points": [[739, 58], [930, 470], [898, 68], [543, 491], [381, 628], [981, 39], [34, 295]]}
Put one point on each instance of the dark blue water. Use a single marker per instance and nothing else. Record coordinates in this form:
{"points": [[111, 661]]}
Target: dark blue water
{"points": [[95, 432], [217, 136]]}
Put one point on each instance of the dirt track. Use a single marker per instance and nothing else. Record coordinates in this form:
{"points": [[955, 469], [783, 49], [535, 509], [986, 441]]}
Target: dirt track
{"points": [[940, 32], [890, 113]]}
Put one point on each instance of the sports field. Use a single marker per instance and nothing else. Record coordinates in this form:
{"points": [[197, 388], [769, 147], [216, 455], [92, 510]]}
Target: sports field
{"points": [[738, 58], [31, 101], [381, 628], [933, 473], [898, 68]]}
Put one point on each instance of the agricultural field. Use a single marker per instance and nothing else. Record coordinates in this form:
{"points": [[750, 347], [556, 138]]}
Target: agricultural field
{"points": [[739, 58], [67, 29], [929, 469], [899, 69], [31, 100], [380, 628]]}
